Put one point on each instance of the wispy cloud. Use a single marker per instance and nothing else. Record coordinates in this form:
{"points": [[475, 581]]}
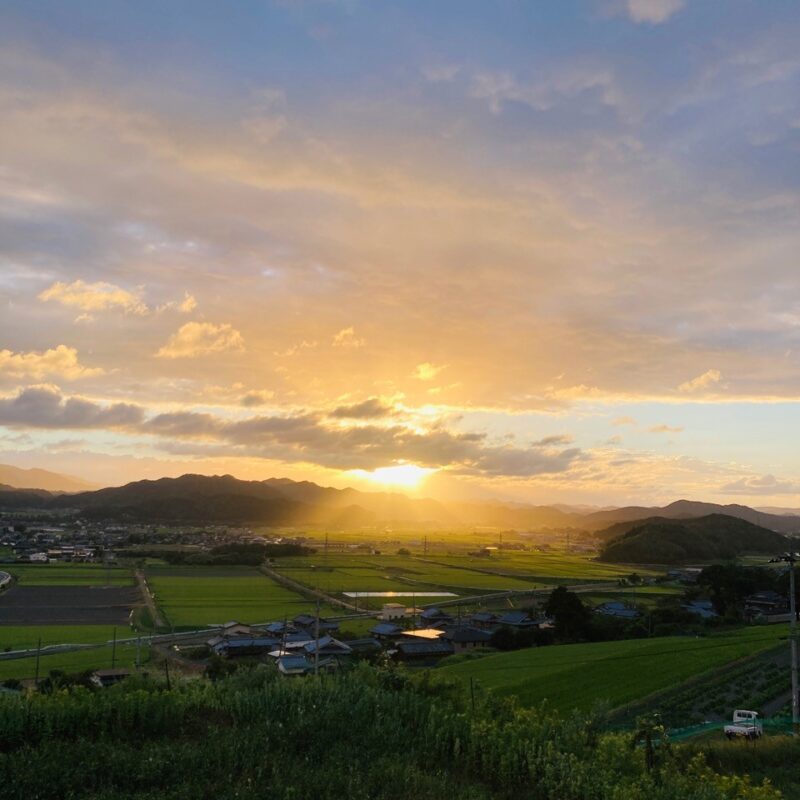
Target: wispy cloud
{"points": [[761, 485], [662, 428], [710, 378], [98, 296], [427, 371], [653, 12], [347, 338]]}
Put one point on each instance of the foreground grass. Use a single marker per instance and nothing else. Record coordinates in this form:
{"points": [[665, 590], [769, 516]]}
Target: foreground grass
{"points": [[258, 735], [773, 757], [579, 675]]}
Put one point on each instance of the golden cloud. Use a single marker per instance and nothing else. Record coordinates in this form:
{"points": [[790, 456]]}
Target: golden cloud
{"points": [[61, 361], [200, 339], [98, 296]]}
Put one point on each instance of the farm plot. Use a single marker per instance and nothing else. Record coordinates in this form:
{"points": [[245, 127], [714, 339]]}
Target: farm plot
{"points": [[68, 574], [22, 637], [566, 567], [73, 662], [67, 605], [350, 579], [193, 597], [578, 675], [363, 573]]}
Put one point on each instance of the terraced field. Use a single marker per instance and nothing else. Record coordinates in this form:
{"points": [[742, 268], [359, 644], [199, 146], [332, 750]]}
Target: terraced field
{"points": [[579, 675]]}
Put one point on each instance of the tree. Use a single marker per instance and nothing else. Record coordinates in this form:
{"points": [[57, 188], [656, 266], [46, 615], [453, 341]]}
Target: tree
{"points": [[651, 733], [571, 616]]}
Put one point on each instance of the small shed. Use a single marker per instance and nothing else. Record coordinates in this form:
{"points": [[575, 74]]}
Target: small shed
{"points": [[392, 611], [108, 677]]}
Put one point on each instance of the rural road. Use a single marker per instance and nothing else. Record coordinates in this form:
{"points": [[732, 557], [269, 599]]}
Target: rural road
{"points": [[149, 601]]}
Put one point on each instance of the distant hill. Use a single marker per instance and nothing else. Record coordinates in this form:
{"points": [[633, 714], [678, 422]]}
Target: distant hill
{"points": [[188, 498], [687, 509], [281, 501], [13, 498], [17, 478], [671, 541]]}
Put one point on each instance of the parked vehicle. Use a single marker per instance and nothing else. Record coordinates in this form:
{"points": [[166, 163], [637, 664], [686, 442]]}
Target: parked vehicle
{"points": [[746, 724]]}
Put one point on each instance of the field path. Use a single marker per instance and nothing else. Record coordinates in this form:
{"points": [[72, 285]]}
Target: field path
{"points": [[149, 600], [303, 590]]}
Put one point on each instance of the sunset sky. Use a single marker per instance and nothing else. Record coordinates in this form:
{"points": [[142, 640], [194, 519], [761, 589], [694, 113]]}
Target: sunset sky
{"points": [[543, 251]]}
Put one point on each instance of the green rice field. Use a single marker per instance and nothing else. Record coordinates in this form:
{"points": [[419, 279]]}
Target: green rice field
{"points": [[78, 661], [20, 637], [579, 675], [198, 596], [68, 574]]}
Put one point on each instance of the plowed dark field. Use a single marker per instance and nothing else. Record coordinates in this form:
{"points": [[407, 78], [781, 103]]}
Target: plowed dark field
{"points": [[67, 605]]}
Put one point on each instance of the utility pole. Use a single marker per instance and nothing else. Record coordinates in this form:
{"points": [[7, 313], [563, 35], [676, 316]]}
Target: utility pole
{"points": [[790, 559], [38, 652], [316, 643]]}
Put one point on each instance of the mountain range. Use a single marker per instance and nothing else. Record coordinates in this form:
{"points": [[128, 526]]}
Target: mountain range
{"points": [[281, 501], [17, 478]]}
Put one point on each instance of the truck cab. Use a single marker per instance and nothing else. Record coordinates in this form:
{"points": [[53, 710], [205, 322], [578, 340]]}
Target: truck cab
{"points": [[745, 724]]}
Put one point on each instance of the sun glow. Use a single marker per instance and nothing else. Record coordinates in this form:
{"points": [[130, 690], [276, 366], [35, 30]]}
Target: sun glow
{"points": [[406, 475]]}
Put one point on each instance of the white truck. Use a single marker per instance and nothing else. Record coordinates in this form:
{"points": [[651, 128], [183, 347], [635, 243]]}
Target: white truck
{"points": [[746, 724]]}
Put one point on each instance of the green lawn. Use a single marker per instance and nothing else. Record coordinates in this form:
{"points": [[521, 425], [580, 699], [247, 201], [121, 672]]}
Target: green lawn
{"points": [[193, 598], [68, 574], [578, 675]]}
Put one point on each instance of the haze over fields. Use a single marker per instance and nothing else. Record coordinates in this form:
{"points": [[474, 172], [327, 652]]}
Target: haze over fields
{"points": [[535, 252]]}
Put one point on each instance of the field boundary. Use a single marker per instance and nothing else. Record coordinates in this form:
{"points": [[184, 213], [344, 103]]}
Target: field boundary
{"points": [[642, 702], [305, 591], [149, 600]]}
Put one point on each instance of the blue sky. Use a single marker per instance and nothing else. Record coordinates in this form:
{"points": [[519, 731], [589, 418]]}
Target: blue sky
{"points": [[494, 230]]}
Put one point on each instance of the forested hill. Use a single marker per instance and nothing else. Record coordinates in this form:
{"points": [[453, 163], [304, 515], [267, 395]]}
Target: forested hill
{"points": [[670, 541]]}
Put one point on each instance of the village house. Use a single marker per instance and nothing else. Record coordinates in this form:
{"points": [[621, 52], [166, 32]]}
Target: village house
{"points": [[518, 619], [617, 609], [385, 630], [422, 649], [431, 617], [466, 637]]}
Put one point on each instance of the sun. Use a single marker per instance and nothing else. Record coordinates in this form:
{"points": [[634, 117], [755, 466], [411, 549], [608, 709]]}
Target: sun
{"points": [[408, 476]]}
